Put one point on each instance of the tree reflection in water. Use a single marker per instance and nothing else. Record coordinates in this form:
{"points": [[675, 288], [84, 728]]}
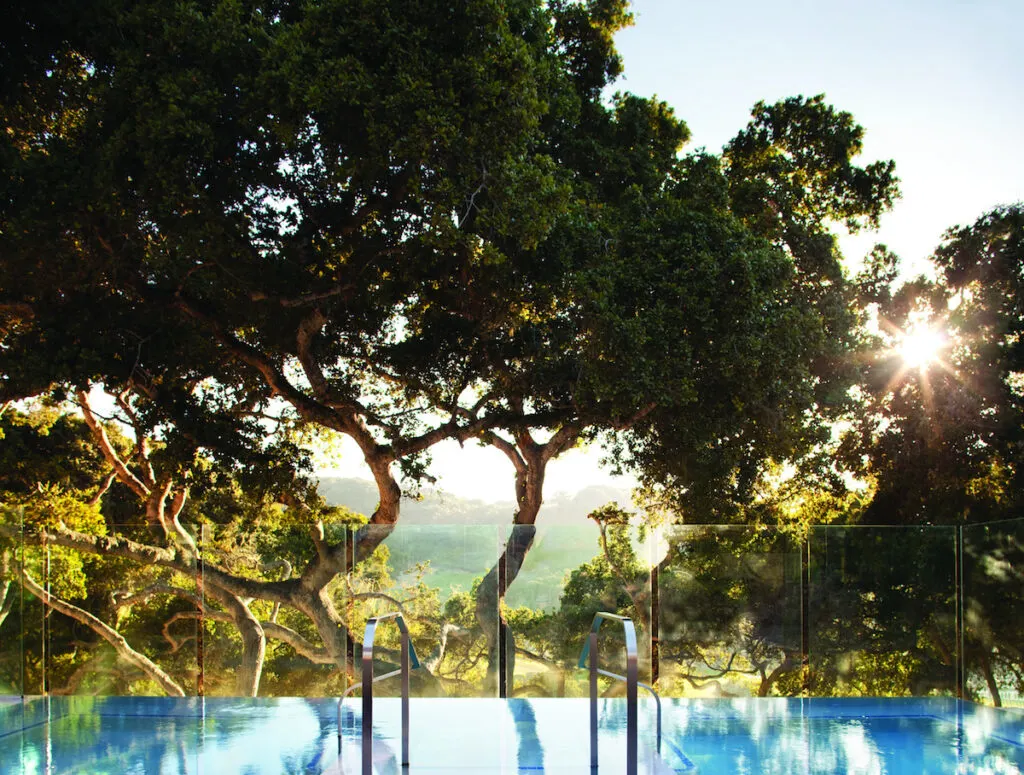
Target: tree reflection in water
{"points": [[530, 750]]}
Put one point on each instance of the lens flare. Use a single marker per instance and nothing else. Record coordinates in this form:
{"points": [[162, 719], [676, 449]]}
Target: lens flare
{"points": [[920, 347]]}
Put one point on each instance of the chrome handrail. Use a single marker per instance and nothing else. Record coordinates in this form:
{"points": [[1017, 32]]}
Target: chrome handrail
{"points": [[409, 661], [588, 659]]}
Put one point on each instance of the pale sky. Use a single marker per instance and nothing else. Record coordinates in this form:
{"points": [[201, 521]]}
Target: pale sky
{"points": [[938, 87]]}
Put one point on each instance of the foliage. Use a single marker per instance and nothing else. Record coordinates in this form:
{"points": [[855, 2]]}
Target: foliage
{"points": [[48, 445], [729, 610], [772, 364], [941, 442], [993, 656], [412, 221], [239, 202], [885, 611]]}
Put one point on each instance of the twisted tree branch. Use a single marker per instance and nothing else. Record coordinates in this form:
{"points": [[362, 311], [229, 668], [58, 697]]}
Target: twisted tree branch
{"points": [[108, 633]]}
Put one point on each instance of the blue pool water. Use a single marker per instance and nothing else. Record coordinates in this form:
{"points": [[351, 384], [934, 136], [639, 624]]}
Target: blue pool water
{"points": [[215, 736]]}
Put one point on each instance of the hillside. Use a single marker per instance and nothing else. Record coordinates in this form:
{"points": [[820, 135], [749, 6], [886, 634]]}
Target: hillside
{"points": [[463, 538]]}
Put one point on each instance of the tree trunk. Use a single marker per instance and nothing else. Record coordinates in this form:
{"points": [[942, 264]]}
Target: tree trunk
{"points": [[990, 678], [7, 593], [337, 640], [530, 460], [6, 600], [767, 681], [489, 597], [491, 592], [254, 642]]}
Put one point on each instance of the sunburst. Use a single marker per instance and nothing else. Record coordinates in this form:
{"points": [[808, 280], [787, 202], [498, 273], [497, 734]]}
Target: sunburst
{"points": [[921, 347]]}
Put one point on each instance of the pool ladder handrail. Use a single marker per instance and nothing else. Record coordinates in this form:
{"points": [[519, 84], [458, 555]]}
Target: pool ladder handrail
{"points": [[409, 661], [588, 659]]}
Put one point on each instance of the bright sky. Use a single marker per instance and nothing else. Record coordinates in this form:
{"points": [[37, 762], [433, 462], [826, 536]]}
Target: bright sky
{"points": [[938, 86]]}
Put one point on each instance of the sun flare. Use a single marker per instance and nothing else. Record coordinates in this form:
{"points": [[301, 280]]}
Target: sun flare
{"points": [[921, 346]]}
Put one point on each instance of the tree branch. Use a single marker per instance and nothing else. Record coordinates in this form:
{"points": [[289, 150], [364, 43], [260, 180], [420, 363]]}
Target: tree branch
{"points": [[507, 447], [108, 633], [315, 654], [308, 408], [103, 441], [254, 640], [6, 601], [563, 439], [18, 309], [301, 301], [123, 598], [156, 504], [141, 446], [537, 657], [629, 422], [167, 557], [104, 486], [316, 534], [177, 506], [432, 662], [310, 326], [345, 418]]}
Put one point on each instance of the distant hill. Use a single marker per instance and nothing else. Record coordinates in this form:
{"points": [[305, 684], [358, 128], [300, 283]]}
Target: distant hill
{"points": [[441, 508], [462, 538]]}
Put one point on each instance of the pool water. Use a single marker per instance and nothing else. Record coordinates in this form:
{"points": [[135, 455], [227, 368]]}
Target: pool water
{"points": [[215, 736]]}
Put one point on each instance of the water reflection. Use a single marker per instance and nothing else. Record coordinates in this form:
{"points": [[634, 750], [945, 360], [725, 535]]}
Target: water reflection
{"points": [[384, 753], [157, 736], [850, 736], [160, 736], [530, 752], [95, 736]]}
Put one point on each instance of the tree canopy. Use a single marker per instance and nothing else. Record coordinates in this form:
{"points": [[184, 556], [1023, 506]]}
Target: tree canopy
{"points": [[407, 223], [941, 440], [410, 222]]}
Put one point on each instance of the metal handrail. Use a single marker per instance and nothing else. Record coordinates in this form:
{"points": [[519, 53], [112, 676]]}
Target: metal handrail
{"points": [[409, 661], [588, 659]]}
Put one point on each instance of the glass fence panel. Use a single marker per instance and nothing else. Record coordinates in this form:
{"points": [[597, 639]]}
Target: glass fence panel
{"points": [[12, 628], [29, 561], [263, 632], [567, 575], [729, 612], [12, 632], [119, 623], [442, 578], [993, 614], [726, 611], [35, 622], [882, 611]]}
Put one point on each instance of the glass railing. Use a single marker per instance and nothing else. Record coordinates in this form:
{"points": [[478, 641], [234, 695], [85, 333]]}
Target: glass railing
{"points": [[993, 612], [12, 622], [729, 613], [433, 574], [882, 611], [568, 575], [719, 611], [102, 623]]}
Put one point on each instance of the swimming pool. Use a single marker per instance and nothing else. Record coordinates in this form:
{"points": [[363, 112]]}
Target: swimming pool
{"points": [[158, 736]]}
